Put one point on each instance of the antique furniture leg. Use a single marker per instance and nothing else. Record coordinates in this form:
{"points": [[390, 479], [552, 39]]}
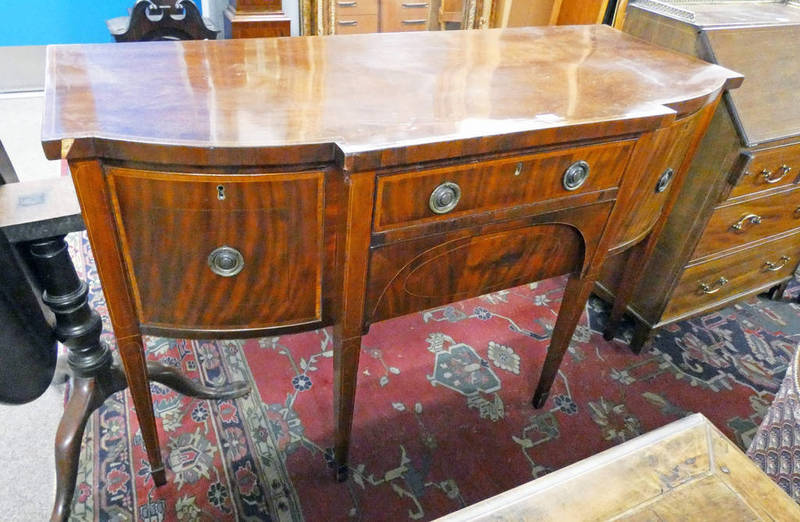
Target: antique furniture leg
{"points": [[357, 193], [776, 292], [95, 374], [634, 270], [345, 369], [572, 306], [641, 335]]}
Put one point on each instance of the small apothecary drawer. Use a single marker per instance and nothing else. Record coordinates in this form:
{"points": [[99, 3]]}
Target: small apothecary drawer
{"points": [[768, 168], [734, 225], [356, 23], [707, 284], [444, 193], [345, 8]]}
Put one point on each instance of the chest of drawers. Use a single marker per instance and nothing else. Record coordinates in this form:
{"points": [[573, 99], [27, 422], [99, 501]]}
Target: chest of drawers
{"points": [[282, 185], [734, 230], [385, 16]]}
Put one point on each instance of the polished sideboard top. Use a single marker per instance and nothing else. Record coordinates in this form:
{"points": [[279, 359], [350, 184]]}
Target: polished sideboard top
{"points": [[355, 99]]}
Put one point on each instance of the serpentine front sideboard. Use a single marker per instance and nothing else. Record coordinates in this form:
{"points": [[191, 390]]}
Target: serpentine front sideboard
{"points": [[255, 187]]}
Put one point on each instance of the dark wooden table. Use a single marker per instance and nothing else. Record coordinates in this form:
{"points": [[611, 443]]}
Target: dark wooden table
{"points": [[256, 187]]}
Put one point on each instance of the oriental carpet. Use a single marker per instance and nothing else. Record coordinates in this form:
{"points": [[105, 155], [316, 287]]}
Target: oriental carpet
{"points": [[442, 418]]}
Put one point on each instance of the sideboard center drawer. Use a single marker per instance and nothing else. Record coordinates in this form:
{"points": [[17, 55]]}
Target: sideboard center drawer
{"points": [[443, 193]]}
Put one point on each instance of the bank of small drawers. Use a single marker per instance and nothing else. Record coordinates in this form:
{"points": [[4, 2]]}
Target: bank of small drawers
{"points": [[356, 16], [404, 15], [405, 199], [710, 283]]}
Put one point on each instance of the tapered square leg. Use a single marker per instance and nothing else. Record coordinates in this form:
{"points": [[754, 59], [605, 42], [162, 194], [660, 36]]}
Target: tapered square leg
{"points": [[572, 306], [345, 364]]}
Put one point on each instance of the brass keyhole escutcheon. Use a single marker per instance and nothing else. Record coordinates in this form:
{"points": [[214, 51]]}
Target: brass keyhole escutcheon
{"points": [[575, 175], [220, 192], [444, 198], [226, 261]]}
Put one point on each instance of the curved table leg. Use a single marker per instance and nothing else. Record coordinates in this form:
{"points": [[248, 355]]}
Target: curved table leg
{"points": [[83, 401], [96, 374], [172, 378]]}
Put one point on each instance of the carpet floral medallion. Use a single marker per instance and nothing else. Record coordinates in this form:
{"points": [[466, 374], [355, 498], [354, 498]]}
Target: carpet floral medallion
{"points": [[443, 416]]}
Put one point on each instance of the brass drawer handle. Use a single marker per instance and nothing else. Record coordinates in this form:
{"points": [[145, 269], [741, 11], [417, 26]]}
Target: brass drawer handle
{"points": [[415, 22], [412, 5], [348, 22], [444, 198], [575, 175], [226, 261], [753, 219], [346, 4], [663, 181], [767, 174], [797, 212], [774, 267], [714, 287]]}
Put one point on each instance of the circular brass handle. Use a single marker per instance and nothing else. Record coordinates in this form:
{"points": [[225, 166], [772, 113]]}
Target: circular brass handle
{"points": [[753, 219], [767, 174], [575, 175], [445, 197], [226, 261], [714, 287], [663, 181], [774, 267]]}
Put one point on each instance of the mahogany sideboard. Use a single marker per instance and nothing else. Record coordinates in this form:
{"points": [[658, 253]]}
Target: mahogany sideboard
{"points": [[262, 186], [735, 229]]}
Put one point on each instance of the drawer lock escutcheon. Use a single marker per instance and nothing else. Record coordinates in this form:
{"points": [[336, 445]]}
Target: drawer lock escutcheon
{"points": [[782, 172], [774, 267], [444, 198], [714, 287], [226, 261], [753, 219], [663, 181], [575, 175]]}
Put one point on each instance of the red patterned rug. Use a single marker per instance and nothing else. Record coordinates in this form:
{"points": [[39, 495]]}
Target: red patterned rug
{"points": [[442, 418]]}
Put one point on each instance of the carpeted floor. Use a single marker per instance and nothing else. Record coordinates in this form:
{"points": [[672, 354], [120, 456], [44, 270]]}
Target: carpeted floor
{"points": [[442, 417]]}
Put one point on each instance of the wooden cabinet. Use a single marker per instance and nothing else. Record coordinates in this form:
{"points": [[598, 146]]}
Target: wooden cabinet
{"points": [[293, 183], [734, 229]]}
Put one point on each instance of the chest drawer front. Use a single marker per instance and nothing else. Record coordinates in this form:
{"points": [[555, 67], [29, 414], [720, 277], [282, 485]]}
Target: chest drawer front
{"points": [[769, 168], [404, 15], [346, 8], [241, 251], [734, 225], [409, 198], [356, 24], [704, 285]]}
